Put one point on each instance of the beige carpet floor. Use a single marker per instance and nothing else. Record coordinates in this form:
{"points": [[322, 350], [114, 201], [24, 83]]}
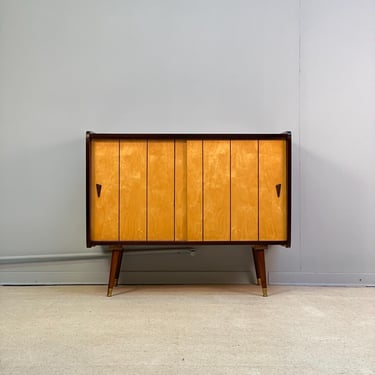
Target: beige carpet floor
{"points": [[187, 330]]}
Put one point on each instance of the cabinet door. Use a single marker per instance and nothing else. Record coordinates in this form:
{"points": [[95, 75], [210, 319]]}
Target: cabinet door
{"points": [[194, 190], [160, 190], [180, 190], [104, 190], [188, 190], [272, 191], [244, 190], [216, 190], [133, 190]]}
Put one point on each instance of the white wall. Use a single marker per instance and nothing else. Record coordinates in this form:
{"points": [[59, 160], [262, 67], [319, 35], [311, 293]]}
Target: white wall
{"points": [[187, 66], [337, 144]]}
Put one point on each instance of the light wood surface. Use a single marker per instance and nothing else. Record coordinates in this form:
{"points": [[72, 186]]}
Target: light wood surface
{"points": [[189, 190], [194, 191], [216, 198], [133, 190], [272, 209], [105, 209], [180, 191], [160, 190], [244, 190]]}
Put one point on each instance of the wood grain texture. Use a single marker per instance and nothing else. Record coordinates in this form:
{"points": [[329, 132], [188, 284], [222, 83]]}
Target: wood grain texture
{"points": [[180, 191], [244, 190], [133, 190], [160, 190], [105, 172], [272, 209], [216, 198], [194, 190]]}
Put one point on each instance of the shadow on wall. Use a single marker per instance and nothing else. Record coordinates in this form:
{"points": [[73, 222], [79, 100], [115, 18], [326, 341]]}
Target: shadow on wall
{"points": [[337, 214], [210, 264], [44, 209]]}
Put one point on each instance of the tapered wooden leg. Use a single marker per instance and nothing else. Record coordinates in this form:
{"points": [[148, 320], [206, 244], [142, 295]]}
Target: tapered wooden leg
{"points": [[116, 255], [258, 252], [118, 269], [256, 267]]}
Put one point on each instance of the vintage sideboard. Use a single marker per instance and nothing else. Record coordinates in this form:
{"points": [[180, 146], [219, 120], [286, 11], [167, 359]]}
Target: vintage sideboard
{"points": [[188, 189]]}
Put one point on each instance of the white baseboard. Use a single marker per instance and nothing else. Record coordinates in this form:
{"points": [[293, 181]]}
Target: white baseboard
{"points": [[274, 278], [43, 278], [329, 279], [53, 278]]}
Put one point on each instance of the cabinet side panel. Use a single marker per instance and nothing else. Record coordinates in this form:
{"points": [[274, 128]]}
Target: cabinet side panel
{"points": [[133, 190], [272, 191], [180, 191], [194, 190], [244, 190], [216, 195], [105, 190], [160, 190]]}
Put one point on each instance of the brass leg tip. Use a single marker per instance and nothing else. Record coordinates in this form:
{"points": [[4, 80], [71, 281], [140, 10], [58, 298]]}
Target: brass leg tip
{"points": [[109, 293], [116, 282], [258, 281], [264, 292]]}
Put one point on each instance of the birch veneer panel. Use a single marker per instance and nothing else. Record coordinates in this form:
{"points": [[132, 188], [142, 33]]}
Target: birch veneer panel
{"points": [[161, 190], [216, 190], [244, 191], [105, 191], [133, 190], [194, 191], [191, 189], [272, 191], [181, 210]]}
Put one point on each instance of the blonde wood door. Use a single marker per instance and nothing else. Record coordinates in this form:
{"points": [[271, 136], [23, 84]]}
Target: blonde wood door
{"points": [[181, 201], [188, 188], [216, 190], [272, 190], [244, 190], [160, 190], [133, 167], [104, 190], [194, 190]]}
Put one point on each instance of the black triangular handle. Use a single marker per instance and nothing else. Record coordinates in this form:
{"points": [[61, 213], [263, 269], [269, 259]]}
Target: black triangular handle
{"points": [[98, 189], [278, 190]]}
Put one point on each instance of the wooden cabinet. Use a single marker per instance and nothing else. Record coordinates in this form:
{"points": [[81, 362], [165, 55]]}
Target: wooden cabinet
{"points": [[188, 189]]}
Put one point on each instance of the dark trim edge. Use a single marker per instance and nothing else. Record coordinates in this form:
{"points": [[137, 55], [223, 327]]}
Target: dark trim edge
{"points": [[216, 136], [186, 243], [89, 243], [289, 182], [286, 136]]}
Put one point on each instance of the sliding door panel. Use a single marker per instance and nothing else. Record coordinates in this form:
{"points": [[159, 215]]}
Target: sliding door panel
{"points": [[133, 190], [244, 190], [272, 191], [104, 190], [160, 190], [216, 194]]}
